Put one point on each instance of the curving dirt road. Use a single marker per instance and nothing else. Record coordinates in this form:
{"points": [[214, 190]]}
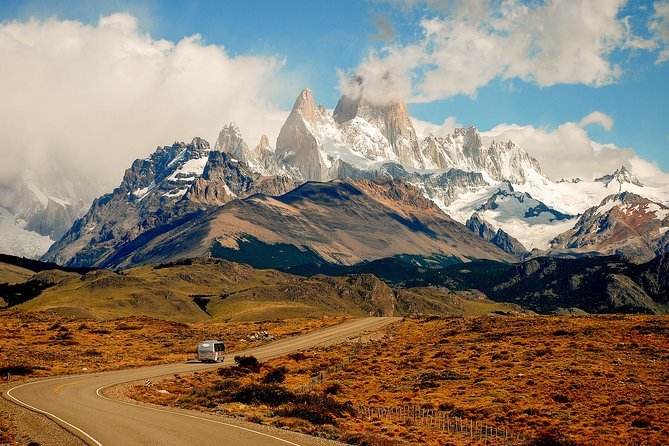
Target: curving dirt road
{"points": [[76, 402]]}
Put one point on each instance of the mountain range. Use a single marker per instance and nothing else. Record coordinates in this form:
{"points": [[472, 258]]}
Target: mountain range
{"points": [[355, 185], [38, 208]]}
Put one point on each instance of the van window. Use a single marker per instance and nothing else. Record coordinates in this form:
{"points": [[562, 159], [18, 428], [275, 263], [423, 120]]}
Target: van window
{"points": [[219, 347]]}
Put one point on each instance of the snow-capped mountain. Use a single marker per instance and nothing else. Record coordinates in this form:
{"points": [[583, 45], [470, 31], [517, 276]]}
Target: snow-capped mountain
{"points": [[37, 209], [16, 240], [459, 172], [623, 224], [176, 182], [365, 136], [360, 140], [527, 219], [464, 150], [498, 237], [621, 176]]}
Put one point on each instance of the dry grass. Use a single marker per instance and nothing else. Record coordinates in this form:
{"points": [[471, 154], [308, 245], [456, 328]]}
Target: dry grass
{"points": [[12, 274], [5, 436], [598, 380], [46, 344]]}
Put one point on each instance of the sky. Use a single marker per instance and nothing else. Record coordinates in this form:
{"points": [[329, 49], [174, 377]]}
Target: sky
{"points": [[582, 85]]}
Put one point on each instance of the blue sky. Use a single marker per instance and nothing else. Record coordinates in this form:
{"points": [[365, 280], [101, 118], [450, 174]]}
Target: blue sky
{"points": [[315, 38]]}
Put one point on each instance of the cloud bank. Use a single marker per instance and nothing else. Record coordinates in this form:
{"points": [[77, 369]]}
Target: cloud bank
{"points": [[471, 43], [568, 152], [94, 98]]}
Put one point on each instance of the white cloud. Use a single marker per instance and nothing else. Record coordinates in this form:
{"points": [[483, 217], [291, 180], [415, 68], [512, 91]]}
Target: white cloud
{"points": [[598, 117], [568, 152], [475, 42], [660, 26], [97, 97], [425, 128]]}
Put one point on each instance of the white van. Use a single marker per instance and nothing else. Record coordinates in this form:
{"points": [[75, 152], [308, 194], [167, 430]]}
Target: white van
{"points": [[210, 351]]}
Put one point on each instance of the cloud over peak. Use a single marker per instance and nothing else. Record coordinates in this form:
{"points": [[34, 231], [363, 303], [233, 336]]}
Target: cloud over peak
{"points": [[97, 96]]}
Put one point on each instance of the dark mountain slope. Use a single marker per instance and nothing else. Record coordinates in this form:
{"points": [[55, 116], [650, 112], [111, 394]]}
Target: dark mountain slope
{"points": [[338, 222]]}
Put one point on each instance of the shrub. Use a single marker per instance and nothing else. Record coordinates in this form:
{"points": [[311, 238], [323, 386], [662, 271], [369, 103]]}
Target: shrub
{"points": [[124, 326], [641, 422], [333, 389], [368, 439], [92, 352], [270, 394], [308, 412], [560, 398], [249, 363], [316, 408], [230, 372], [551, 438], [297, 356], [277, 375], [17, 370]]}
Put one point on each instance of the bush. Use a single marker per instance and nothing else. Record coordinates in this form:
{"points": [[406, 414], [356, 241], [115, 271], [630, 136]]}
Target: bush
{"points": [[16, 370], [368, 439], [317, 408], [311, 413], [277, 375], [249, 363], [641, 422], [270, 394], [297, 356], [230, 372], [560, 398], [551, 438], [333, 389]]}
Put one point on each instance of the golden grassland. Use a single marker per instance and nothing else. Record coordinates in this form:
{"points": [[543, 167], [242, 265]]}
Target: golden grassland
{"points": [[44, 343], [596, 380], [12, 274], [230, 292]]}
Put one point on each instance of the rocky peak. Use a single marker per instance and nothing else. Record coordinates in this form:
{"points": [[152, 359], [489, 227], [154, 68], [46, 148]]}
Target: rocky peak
{"points": [[470, 137], [296, 145], [230, 141], [624, 224], [263, 144], [620, 176], [464, 149], [198, 148], [498, 237], [304, 105], [391, 119], [479, 226]]}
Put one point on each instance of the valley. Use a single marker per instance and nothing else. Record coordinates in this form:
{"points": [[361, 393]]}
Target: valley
{"points": [[411, 222]]}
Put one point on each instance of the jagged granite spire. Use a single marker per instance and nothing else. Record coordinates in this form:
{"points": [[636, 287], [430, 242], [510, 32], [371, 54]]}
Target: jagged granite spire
{"points": [[296, 145], [230, 141]]}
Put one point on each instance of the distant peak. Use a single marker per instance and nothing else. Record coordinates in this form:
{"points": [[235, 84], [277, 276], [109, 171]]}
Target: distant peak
{"points": [[230, 140], [232, 127], [199, 144], [621, 176], [264, 142]]}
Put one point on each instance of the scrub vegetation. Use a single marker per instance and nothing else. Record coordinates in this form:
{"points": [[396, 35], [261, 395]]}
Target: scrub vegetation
{"points": [[559, 380]]}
